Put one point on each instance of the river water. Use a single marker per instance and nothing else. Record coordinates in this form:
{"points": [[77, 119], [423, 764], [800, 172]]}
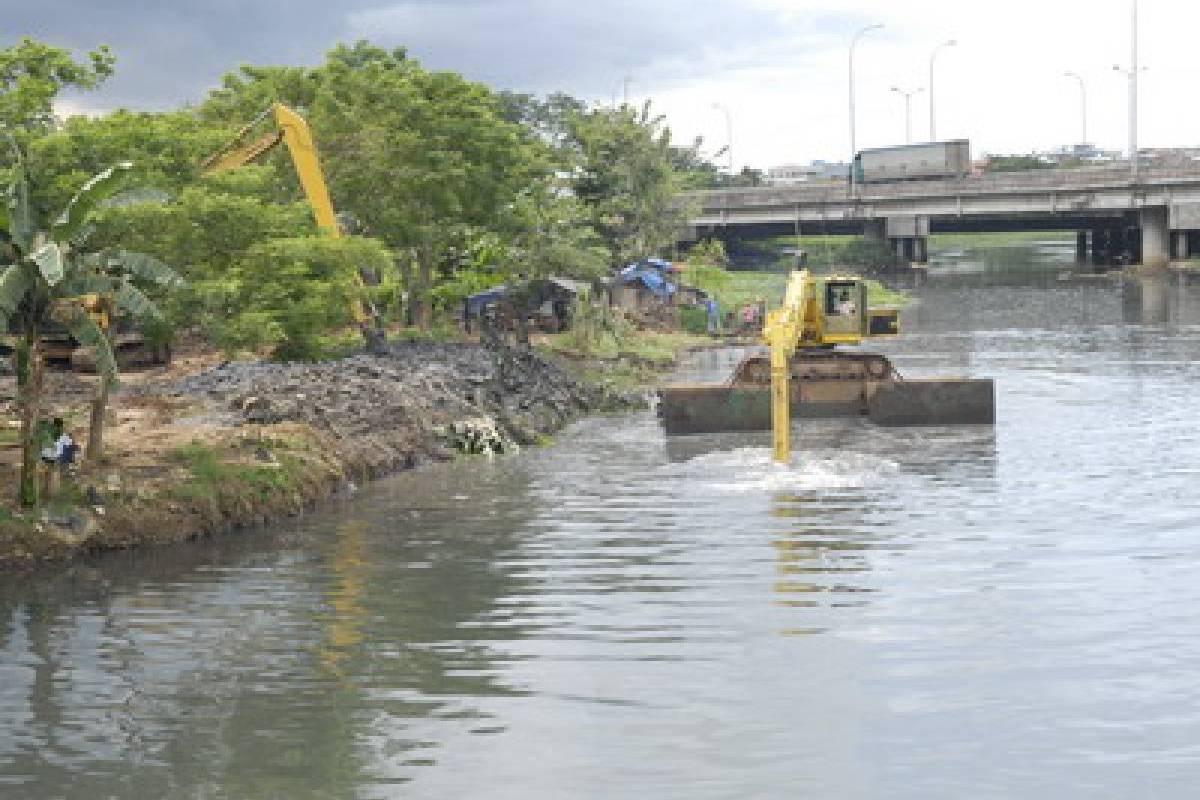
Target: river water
{"points": [[900, 613]]}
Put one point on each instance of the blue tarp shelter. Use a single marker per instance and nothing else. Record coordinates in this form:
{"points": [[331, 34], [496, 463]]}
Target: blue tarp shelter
{"points": [[651, 273]]}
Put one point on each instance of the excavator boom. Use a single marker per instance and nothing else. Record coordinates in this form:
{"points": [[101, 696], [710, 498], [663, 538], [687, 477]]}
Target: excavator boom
{"points": [[291, 129]]}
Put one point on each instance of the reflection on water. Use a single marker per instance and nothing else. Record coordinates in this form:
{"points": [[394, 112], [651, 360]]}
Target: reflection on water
{"points": [[913, 613]]}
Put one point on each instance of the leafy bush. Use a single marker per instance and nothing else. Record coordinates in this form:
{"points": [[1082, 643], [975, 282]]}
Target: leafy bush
{"points": [[709, 252], [597, 329], [298, 289], [693, 320]]}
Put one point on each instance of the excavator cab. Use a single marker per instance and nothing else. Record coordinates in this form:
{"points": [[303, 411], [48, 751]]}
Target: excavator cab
{"points": [[845, 307]]}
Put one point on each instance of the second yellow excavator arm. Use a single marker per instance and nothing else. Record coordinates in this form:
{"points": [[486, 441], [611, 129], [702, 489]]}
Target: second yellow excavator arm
{"points": [[292, 130]]}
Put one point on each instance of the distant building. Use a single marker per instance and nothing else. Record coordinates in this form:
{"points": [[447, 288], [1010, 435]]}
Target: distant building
{"points": [[1169, 156], [1079, 152], [792, 174]]}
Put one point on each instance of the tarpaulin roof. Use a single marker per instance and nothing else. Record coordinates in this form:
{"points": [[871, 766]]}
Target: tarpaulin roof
{"points": [[649, 277], [476, 302]]}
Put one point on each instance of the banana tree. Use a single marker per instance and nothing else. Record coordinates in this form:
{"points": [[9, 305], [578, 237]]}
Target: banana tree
{"points": [[47, 277]]}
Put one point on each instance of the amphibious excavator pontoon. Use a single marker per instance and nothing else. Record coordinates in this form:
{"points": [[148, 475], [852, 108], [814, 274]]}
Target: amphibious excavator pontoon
{"points": [[807, 375]]}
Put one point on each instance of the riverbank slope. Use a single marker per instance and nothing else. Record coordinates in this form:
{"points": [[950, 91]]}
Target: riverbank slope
{"points": [[237, 444]]}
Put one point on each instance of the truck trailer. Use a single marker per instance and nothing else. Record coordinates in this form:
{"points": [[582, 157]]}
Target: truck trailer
{"points": [[910, 162]]}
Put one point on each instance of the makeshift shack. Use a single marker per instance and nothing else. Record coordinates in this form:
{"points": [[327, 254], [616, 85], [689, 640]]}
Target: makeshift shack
{"points": [[544, 303], [644, 286]]}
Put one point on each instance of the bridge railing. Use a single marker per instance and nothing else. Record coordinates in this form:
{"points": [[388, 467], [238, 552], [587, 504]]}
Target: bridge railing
{"points": [[1108, 176]]}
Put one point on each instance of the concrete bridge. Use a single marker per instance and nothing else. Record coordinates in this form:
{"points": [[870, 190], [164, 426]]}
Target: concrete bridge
{"points": [[1150, 220]]}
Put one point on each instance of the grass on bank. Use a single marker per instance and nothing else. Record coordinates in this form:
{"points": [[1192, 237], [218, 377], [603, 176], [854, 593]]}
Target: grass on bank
{"points": [[611, 352], [957, 241], [734, 289], [212, 475]]}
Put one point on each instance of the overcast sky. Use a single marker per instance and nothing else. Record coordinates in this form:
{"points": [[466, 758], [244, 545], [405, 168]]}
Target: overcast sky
{"points": [[779, 66]]}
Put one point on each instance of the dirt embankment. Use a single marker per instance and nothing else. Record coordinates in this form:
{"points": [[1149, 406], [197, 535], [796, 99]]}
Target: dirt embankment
{"points": [[242, 443]]}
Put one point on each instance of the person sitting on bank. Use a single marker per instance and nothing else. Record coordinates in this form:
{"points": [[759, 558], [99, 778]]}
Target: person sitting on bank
{"points": [[61, 448]]}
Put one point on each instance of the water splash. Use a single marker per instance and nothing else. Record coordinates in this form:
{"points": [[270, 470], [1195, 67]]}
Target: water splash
{"points": [[751, 470]]}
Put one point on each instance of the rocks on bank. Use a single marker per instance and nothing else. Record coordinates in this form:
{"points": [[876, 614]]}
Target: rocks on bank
{"points": [[246, 442], [381, 412]]}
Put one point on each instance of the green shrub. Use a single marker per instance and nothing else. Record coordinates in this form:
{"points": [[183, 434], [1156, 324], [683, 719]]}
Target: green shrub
{"points": [[693, 320], [709, 252]]}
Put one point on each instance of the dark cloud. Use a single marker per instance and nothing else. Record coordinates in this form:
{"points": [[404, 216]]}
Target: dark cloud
{"points": [[169, 53]]}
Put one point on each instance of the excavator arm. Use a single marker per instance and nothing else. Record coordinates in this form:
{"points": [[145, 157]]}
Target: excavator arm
{"points": [[802, 322], [783, 330], [291, 129]]}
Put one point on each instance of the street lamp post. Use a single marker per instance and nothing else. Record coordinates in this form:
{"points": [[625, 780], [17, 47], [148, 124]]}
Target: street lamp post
{"points": [[908, 96], [1132, 74], [1082, 104], [932, 115], [853, 145], [728, 133]]}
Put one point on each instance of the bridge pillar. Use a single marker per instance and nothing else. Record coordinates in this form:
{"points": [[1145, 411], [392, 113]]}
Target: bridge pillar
{"points": [[1081, 247], [875, 230], [1120, 244], [898, 248], [1156, 237], [1099, 246], [1181, 246], [921, 249]]}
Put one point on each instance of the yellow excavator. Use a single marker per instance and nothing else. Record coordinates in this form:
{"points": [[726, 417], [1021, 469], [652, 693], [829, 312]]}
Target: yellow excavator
{"points": [[805, 373], [817, 316], [62, 350], [290, 128]]}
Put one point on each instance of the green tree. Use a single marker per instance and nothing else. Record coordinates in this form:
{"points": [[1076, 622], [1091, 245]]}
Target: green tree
{"points": [[418, 158], [32, 74], [251, 90], [1015, 163], [46, 273], [287, 293], [625, 178]]}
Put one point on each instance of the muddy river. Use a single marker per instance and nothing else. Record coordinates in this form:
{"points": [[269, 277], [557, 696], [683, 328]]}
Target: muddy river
{"points": [[900, 613]]}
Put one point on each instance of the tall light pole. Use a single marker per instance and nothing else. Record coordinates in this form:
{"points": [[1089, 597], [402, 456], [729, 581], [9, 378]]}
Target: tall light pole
{"points": [[1082, 104], [908, 96], [932, 115], [728, 133], [853, 145], [1132, 74]]}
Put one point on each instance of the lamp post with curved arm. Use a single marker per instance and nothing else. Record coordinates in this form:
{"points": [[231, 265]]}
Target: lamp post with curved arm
{"points": [[932, 58], [1132, 74], [1082, 104], [908, 96], [853, 146], [728, 133]]}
